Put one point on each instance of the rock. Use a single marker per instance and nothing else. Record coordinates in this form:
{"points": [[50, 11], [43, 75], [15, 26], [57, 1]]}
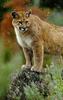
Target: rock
{"points": [[25, 78]]}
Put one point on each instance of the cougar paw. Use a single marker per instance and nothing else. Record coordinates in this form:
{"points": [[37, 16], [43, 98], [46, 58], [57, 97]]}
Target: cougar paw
{"points": [[36, 69], [26, 66]]}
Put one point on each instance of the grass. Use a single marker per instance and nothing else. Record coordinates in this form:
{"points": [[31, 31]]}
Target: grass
{"points": [[7, 68]]}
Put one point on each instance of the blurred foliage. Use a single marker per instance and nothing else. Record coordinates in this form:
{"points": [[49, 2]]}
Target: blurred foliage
{"points": [[52, 3], [8, 66], [56, 17], [7, 55], [2, 10]]}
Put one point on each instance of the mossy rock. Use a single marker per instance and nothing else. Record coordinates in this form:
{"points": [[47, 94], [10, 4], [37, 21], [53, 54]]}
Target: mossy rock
{"points": [[25, 78]]}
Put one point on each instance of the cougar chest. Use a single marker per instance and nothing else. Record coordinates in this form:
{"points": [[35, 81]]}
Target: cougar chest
{"points": [[23, 41]]}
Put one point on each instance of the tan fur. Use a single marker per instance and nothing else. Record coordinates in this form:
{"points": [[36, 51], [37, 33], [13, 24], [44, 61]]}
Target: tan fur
{"points": [[41, 37]]}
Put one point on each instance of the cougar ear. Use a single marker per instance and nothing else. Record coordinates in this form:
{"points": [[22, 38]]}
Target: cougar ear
{"points": [[28, 13], [15, 14]]}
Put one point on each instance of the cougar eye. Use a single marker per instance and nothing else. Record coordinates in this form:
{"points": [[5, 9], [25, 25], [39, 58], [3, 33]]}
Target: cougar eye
{"points": [[26, 21], [20, 22]]}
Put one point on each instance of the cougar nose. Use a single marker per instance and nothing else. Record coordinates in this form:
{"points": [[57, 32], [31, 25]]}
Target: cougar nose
{"points": [[22, 29]]}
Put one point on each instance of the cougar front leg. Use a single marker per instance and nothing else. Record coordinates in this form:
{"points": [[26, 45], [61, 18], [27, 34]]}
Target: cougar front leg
{"points": [[38, 54], [28, 57]]}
